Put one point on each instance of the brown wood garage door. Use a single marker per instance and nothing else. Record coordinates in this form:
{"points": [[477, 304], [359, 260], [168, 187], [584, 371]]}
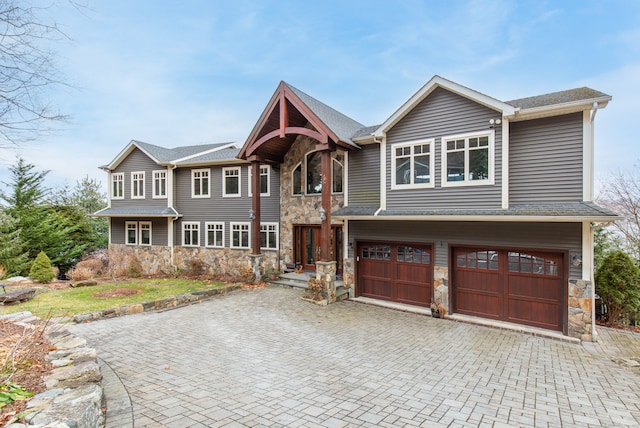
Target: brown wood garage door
{"points": [[397, 272], [524, 287]]}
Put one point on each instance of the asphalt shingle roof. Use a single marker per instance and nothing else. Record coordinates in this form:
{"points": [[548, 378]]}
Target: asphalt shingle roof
{"points": [[562, 97], [343, 126]]}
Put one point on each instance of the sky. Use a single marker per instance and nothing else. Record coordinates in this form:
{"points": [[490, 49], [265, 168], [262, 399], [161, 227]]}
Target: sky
{"points": [[175, 73]]}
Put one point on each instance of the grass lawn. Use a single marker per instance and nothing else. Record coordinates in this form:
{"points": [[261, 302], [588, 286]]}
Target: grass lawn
{"points": [[72, 301]]}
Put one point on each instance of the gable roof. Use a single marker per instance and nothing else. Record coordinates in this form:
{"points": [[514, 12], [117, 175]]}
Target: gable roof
{"points": [[561, 97], [290, 113], [174, 156], [428, 88]]}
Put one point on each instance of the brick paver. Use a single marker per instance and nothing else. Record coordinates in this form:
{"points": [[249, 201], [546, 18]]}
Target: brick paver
{"points": [[265, 358]]}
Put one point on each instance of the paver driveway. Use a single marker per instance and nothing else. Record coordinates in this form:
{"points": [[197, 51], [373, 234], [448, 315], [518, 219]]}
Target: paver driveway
{"points": [[265, 358]]}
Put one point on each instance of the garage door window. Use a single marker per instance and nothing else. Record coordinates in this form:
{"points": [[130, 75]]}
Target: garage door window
{"points": [[408, 254], [487, 260], [377, 252], [527, 263]]}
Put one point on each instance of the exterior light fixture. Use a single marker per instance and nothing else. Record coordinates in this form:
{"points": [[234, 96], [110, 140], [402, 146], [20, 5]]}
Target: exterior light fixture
{"points": [[323, 214], [252, 214]]}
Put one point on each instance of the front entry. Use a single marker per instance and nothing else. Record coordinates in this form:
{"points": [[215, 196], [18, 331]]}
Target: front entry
{"points": [[308, 241]]}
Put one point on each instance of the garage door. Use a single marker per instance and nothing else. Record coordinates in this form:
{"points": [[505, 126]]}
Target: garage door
{"points": [[524, 287], [397, 272]]}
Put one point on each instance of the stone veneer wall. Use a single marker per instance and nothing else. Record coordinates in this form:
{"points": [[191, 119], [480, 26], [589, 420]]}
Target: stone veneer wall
{"points": [[156, 260], [298, 209]]}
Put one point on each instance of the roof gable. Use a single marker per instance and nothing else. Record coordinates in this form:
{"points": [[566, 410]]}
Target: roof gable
{"points": [[428, 88]]}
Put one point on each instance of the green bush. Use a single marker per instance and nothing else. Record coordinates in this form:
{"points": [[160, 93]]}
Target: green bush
{"points": [[618, 284], [41, 269]]}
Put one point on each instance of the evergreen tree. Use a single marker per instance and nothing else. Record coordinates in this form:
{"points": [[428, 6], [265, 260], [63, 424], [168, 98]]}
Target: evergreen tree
{"points": [[14, 258], [618, 284], [41, 269]]}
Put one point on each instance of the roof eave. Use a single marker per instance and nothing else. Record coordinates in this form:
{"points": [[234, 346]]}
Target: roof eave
{"points": [[483, 218], [557, 109]]}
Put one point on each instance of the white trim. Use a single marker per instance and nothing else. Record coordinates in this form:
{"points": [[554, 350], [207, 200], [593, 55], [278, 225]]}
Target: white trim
{"points": [[587, 252], [412, 144], [112, 175], [240, 223], [145, 223], [170, 235], [197, 228], [154, 188], [134, 186], [345, 239], [276, 230], [170, 180], [206, 233], [430, 86], [224, 182], [505, 163], [478, 218], [465, 183], [201, 171], [559, 109], [345, 179], [383, 172], [587, 156], [126, 232], [250, 183]]}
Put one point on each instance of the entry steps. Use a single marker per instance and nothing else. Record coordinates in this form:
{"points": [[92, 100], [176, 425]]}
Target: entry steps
{"points": [[299, 280]]}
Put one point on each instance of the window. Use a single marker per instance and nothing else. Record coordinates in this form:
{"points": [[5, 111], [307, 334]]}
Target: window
{"points": [[117, 186], [137, 185], [160, 184], [467, 159], [314, 173], [215, 235], [190, 234], [407, 254], [200, 183], [296, 180], [138, 233], [131, 237], [336, 174], [145, 233], [231, 181], [265, 174], [412, 165], [240, 235], [269, 236]]}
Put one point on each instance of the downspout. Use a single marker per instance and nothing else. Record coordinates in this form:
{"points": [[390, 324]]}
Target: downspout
{"points": [[383, 176], [594, 334], [172, 220]]}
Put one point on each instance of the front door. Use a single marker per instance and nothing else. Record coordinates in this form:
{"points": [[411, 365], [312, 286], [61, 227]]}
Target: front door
{"points": [[307, 243]]}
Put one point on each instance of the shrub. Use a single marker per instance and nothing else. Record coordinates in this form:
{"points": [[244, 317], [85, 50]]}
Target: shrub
{"points": [[80, 273], [41, 269], [95, 265], [618, 284]]}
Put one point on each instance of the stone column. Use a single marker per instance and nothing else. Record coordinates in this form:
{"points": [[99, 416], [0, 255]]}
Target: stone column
{"points": [[326, 274], [256, 266]]}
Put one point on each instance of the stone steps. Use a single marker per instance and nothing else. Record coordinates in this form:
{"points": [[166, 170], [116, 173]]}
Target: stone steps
{"points": [[299, 280]]}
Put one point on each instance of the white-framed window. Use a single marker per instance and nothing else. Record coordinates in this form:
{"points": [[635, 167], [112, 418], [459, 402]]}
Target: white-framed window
{"points": [[117, 185], [215, 235], [412, 164], [200, 183], [269, 236], [159, 184], [231, 181], [467, 159], [145, 232], [190, 234], [137, 185], [296, 180], [131, 232], [265, 176], [313, 167], [240, 235]]}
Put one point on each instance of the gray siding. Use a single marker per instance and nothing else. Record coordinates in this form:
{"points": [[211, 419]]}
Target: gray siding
{"points": [[159, 230], [138, 161], [545, 159], [556, 236], [219, 209], [364, 177], [441, 114]]}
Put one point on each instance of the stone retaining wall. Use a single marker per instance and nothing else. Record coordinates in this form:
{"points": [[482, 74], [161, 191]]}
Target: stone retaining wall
{"points": [[74, 396]]}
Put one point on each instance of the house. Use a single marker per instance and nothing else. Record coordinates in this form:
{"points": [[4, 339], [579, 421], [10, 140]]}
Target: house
{"points": [[481, 205]]}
